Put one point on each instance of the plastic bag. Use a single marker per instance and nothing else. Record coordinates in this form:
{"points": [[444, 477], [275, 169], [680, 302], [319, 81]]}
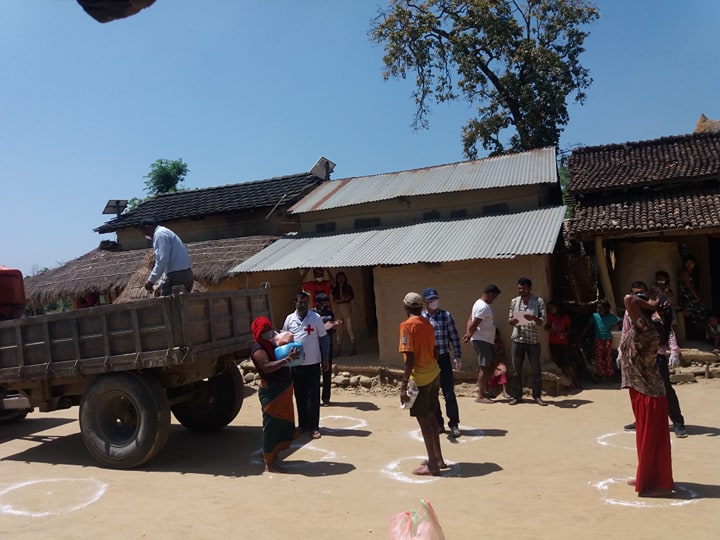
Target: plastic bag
{"points": [[412, 525], [282, 351], [412, 392]]}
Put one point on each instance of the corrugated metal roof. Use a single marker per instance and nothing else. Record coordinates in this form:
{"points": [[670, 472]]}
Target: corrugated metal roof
{"points": [[492, 237], [527, 168]]}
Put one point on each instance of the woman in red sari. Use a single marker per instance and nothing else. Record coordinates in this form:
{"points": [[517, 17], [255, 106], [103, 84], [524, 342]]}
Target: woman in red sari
{"points": [[275, 393], [647, 395]]}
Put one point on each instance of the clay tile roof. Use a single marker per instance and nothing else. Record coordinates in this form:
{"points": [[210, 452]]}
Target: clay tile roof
{"points": [[244, 197], [667, 160], [647, 212]]}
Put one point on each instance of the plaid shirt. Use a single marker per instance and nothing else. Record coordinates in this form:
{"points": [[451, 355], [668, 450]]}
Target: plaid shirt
{"points": [[445, 332], [528, 333]]}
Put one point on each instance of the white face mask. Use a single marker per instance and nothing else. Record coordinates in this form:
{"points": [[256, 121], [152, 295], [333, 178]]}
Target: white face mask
{"points": [[434, 304], [267, 335]]}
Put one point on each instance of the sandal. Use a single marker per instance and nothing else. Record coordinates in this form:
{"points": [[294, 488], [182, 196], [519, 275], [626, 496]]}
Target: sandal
{"points": [[423, 470], [316, 434]]}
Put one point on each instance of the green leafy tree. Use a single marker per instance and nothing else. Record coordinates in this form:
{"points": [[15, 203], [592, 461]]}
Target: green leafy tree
{"points": [[516, 61], [165, 176]]}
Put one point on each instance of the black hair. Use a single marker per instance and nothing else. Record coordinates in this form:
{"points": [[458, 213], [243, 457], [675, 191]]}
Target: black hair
{"points": [[301, 295], [638, 285], [148, 222], [525, 281]]}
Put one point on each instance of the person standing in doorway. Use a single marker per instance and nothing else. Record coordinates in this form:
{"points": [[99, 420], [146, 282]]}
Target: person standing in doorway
{"points": [[446, 336], [318, 284], [480, 331], [527, 315], [343, 296]]}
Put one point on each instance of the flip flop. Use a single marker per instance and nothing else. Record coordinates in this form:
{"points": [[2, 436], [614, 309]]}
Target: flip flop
{"points": [[422, 470], [316, 434]]}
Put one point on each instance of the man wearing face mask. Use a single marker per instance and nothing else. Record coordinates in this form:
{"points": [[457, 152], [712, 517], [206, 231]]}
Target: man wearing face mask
{"points": [[307, 327], [446, 334], [171, 259]]}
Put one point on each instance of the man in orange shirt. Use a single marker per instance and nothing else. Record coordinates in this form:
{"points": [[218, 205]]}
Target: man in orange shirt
{"points": [[417, 345]]}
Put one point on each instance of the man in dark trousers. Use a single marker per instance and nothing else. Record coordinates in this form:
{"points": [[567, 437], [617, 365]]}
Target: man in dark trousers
{"points": [[446, 335]]}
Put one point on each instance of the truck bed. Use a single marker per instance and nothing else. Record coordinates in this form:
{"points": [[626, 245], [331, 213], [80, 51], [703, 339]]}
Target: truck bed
{"points": [[153, 333]]}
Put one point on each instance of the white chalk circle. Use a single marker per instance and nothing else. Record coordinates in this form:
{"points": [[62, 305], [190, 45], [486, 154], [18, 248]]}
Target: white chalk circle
{"points": [[295, 446], [50, 497], [606, 440], [467, 435], [392, 470], [359, 422], [603, 486]]}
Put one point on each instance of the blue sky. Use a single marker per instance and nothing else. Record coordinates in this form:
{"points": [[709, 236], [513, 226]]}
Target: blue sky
{"points": [[252, 89]]}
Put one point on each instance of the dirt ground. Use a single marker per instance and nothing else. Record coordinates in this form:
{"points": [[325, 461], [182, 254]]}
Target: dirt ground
{"points": [[522, 472]]}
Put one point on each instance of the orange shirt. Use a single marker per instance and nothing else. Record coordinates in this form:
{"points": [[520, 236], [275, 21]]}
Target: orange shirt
{"points": [[418, 337], [315, 287]]}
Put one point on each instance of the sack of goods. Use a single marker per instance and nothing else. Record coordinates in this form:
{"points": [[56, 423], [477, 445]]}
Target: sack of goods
{"points": [[282, 351]]}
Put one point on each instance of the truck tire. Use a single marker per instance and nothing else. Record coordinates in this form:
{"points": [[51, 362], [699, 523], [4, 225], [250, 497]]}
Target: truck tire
{"points": [[219, 400], [7, 416], [124, 419]]}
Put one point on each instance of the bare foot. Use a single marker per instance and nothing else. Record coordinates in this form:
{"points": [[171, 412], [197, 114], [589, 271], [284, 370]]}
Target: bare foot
{"points": [[484, 400], [441, 465], [631, 482], [423, 470]]}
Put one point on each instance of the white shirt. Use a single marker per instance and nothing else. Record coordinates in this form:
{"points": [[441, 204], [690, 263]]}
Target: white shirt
{"points": [[170, 253], [485, 331], [307, 331]]}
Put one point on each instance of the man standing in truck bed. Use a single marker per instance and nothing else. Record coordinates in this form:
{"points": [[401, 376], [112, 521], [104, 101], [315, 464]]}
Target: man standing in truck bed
{"points": [[171, 258]]}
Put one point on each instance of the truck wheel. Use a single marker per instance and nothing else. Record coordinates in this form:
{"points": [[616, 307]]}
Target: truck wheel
{"points": [[218, 402], [12, 416], [124, 419]]}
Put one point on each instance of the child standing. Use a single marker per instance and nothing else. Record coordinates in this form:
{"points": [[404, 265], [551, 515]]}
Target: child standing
{"points": [[712, 331], [558, 326], [603, 321], [499, 375]]}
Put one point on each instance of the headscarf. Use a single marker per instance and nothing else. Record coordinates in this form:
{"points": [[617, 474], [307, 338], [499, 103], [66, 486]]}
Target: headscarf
{"points": [[258, 327]]}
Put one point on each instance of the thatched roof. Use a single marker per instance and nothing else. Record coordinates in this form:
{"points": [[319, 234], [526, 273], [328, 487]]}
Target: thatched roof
{"points": [[103, 270], [135, 288]]}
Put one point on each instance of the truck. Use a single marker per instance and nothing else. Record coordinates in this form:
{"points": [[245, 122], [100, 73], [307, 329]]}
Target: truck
{"points": [[128, 366]]}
